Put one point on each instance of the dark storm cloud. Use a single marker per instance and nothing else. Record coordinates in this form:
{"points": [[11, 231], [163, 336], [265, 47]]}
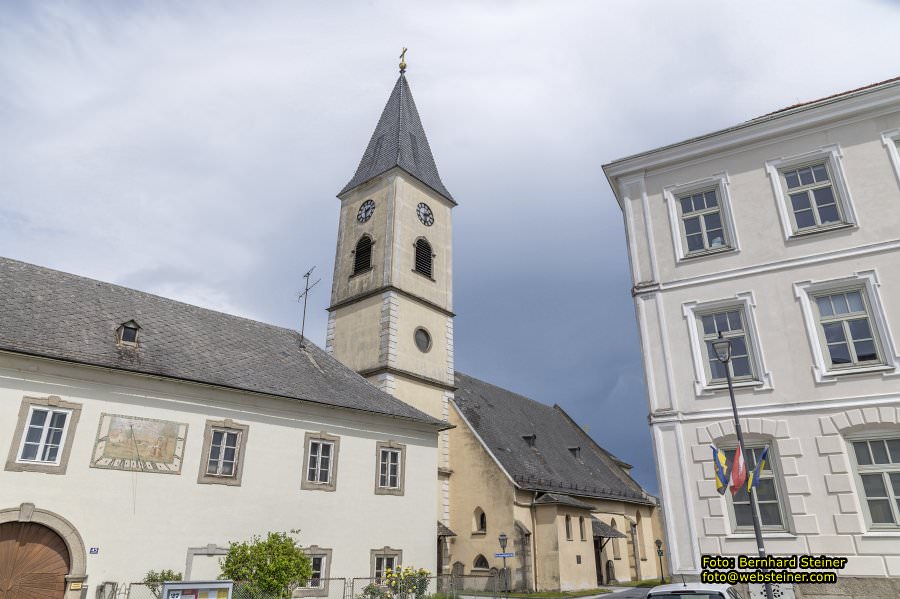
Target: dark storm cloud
{"points": [[194, 150]]}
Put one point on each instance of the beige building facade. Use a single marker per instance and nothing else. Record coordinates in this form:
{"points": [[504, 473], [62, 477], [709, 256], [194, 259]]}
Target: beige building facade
{"points": [[782, 234]]}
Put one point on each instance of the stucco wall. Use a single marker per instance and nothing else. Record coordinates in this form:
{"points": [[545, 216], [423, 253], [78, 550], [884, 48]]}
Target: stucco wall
{"points": [[141, 521]]}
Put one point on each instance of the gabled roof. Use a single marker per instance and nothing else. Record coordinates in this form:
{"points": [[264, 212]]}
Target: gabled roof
{"points": [[502, 418], [56, 315], [560, 499], [399, 141]]}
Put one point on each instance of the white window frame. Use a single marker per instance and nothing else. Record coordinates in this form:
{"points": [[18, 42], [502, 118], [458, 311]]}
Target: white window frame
{"points": [[746, 302], [832, 156], [385, 482], [672, 193], [873, 435], [237, 451], [43, 442], [784, 507], [318, 457], [891, 139], [323, 567], [867, 281], [384, 567]]}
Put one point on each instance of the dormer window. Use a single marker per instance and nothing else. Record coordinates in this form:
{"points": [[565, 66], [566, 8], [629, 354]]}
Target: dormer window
{"points": [[128, 333], [576, 452], [530, 439]]}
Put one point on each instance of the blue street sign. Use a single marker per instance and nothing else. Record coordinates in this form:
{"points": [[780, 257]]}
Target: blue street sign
{"points": [[504, 555]]}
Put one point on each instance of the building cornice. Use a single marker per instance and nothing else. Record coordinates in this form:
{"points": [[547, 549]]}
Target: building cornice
{"points": [[780, 123], [385, 288], [406, 374]]}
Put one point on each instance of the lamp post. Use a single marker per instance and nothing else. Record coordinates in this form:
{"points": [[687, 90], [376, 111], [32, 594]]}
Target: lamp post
{"points": [[503, 539], [722, 347], [659, 552]]}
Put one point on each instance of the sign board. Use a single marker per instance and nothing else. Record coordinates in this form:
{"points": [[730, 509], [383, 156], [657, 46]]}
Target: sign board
{"points": [[504, 555], [76, 586], [659, 552], [211, 589]]}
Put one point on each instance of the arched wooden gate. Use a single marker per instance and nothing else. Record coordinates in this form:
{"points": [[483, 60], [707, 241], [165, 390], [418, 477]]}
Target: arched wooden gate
{"points": [[34, 561]]}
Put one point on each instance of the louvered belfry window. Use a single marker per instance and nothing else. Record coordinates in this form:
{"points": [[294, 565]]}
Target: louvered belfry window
{"points": [[362, 259], [423, 257]]}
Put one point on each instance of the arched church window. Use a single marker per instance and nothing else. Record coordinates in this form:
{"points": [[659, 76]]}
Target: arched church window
{"points": [[481, 563], [479, 521], [362, 256], [615, 541], [423, 257]]}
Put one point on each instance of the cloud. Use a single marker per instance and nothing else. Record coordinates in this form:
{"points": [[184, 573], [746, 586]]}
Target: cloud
{"points": [[194, 150]]}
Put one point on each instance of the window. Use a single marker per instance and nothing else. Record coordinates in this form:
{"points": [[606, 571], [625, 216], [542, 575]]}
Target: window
{"points": [[576, 452], [767, 495], [568, 527], [383, 560], [320, 463], [390, 458], [127, 333], [891, 141], [479, 521], [581, 527], [423, 257], [362, 255], [701, 222], [615, 541], [223, 453], [43, 435], [811, 191], [481, 563], [878, 468], [422, 339], [530, 439], [731, 324], [846, 326], [317, 584], [700, 216]]}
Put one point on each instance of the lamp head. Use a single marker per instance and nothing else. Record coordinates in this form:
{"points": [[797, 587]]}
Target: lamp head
{"points": [[503, 539], [658, 543], [722, 347]]}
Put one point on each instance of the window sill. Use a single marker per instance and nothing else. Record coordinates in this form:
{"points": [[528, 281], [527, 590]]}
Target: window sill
{"points": [[479, 533], [766, 535], [362, 272], [824, 229], [882, 533], [424, 276], [688, 257], [712, 389], [878, 368]]}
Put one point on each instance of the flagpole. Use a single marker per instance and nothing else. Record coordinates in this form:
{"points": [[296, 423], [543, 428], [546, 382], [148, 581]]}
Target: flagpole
{"points": [[740, 435]]}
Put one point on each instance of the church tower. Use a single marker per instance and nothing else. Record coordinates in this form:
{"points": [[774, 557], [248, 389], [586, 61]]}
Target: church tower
{"points": [[391, 313]]}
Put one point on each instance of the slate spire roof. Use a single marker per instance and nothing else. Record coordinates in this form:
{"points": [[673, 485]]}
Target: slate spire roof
{"points": [[504, 419], [60, 316], [399, 140]]}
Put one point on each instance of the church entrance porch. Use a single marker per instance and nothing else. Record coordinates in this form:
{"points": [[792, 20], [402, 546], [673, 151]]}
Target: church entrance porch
{"points": [[34, 562]]}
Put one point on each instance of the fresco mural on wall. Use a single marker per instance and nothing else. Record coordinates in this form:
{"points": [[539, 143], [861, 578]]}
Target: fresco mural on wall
{"points": [[141, 444]]}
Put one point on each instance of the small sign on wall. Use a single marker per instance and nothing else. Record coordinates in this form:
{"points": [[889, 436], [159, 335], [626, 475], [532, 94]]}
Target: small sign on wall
{"points": [[94, 550]]}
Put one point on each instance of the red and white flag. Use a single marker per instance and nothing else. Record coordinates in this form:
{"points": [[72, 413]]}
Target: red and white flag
{"points": [[738, 471]]}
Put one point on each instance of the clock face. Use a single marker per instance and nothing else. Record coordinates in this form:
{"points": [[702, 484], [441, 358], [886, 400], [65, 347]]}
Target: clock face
{"points": [[426, 216], [365, 211]]}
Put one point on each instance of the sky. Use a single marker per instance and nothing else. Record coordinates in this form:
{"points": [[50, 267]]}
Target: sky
{"points": [[194, 150]]}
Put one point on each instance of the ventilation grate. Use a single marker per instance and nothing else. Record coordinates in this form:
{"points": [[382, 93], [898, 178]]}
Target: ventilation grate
{"points": [[362, 260], [423, 257]]}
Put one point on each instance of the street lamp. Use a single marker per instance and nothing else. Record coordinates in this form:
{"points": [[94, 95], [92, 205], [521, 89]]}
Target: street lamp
{"points": [[659, 552], [722, 347], [503, 538]]}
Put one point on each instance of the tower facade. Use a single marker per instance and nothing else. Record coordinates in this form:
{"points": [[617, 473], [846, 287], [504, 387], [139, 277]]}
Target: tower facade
{"points": [[391, 317]]}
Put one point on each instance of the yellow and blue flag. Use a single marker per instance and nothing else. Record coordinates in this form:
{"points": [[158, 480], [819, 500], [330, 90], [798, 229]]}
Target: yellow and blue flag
{"points": [[720, 461], [753, 481]]}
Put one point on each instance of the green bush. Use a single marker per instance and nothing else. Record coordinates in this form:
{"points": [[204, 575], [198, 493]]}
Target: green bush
{"points": [[270, 567], [154, 579]]}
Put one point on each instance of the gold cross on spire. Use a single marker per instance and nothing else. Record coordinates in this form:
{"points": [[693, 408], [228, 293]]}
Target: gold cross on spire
{"points": [[403, 61]]}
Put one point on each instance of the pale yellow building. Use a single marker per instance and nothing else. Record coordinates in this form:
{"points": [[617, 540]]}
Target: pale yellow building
{"points": [[391, 320]]}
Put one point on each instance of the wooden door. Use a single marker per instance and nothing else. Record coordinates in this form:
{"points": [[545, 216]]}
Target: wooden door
{"points": [[34, 562]]}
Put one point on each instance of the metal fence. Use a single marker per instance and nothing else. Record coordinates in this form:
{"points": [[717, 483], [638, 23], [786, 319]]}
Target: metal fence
{"points": [[321, 588]]}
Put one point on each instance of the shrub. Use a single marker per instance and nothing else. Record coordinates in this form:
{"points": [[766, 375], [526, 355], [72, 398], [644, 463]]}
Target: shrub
{"points": [[270, 567], [154, 579]]}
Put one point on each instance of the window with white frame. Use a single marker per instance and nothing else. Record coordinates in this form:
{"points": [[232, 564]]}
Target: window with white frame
{"points": [[700, 216], [768, 495], [891, 141], [223, 452], [390, 460], [731, 324], [44, 435], [318, 567], [734, 318], [701, 222], [317, 584], [812, 192], [383, 564], [845, 328], [320, 462], [878, 468], [846, 325]]}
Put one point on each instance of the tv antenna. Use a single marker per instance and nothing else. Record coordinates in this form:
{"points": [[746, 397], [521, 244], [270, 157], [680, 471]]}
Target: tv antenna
{"points": [[304, 296]]}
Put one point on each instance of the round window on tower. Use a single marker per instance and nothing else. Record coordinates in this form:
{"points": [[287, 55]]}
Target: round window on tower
{"points": [[423, 340]]}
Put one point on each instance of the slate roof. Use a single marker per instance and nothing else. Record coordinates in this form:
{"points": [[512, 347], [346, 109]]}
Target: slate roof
{"points": [[556, 498], [501, 418], [399, 140], [444, 531], [48, 313], [602, 529]]}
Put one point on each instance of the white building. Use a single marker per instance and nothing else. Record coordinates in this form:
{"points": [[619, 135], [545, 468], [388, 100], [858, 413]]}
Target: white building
{"points": [[143, 433], [783, 233]]}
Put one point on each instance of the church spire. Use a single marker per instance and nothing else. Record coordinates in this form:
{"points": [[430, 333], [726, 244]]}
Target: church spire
{"points": [[399, 140]]}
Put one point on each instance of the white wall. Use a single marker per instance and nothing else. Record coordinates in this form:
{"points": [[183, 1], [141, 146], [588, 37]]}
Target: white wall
{"points": [[142, 521]]}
